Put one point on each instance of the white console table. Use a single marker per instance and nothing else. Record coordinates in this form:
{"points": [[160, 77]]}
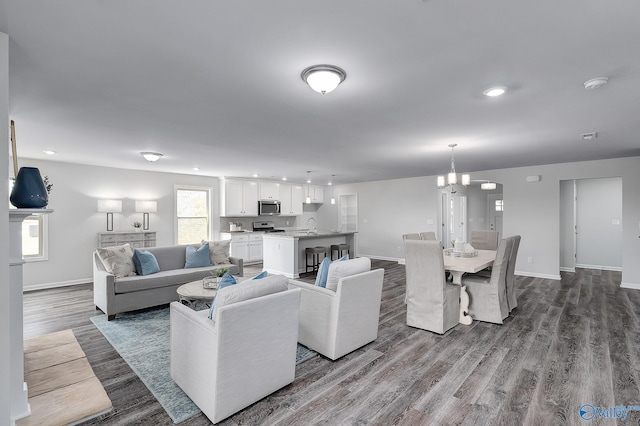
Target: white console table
{"points": [[19, 396], [135, 239]]}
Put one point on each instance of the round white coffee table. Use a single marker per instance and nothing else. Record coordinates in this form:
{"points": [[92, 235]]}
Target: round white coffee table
{"points": [[192, 292]]}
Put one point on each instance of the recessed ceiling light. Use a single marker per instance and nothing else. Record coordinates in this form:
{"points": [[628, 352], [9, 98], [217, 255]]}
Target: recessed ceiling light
{"points": [[255, 175], [284, 178], [595, 83], [151, 156], [48, 152], [195, 169], [495, 91]]}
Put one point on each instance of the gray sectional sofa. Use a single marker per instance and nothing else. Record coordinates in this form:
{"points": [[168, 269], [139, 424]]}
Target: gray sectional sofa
{"points": [[114, 295]]}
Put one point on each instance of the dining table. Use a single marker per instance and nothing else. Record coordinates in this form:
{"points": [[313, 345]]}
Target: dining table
{"points": [[460, 263]]}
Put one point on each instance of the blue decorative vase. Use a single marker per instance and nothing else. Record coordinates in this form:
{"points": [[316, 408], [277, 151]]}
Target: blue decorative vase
{"points": [[28, 190]]}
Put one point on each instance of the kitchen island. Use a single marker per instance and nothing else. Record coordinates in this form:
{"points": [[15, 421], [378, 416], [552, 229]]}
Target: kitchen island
{"points": [[283, 252]]}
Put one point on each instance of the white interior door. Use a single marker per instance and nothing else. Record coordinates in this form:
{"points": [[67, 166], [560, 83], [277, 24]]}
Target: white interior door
{"points": [[599, 223], [495, 204]]}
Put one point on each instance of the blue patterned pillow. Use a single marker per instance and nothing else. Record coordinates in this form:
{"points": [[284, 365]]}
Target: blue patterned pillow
{"points": [[226, 281], [146, 263], [323, 270], [197, 258]]}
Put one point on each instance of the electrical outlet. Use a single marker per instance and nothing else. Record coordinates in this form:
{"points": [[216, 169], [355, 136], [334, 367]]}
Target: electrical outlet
{"points": [[398, 248], [287, 223], [429, 221], [530, 259], [365, 220]]}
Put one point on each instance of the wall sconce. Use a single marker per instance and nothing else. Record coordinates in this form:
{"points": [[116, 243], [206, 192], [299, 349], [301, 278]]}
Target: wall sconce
{"points": [[146, 207], [110, 207]]}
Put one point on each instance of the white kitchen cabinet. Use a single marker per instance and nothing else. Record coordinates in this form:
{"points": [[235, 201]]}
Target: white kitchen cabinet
{"points": [[269, 191], [247, 246], [291, 200], [239, 198], [315, 192], [255, 248]]}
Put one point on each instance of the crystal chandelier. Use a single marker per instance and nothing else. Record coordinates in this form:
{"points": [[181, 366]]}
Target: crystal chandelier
{"points": [[451, 182]]}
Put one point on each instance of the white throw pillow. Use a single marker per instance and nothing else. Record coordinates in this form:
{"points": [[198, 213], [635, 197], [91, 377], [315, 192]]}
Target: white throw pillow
{"points": [[346, 268], [118, 260], [250, 289], [219, 251]]}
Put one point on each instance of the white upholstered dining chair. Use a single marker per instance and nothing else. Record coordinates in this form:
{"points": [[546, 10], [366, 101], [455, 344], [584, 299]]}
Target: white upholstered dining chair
{"points": [[432, 303], [512, 300], [484, 240], [488, 296]]}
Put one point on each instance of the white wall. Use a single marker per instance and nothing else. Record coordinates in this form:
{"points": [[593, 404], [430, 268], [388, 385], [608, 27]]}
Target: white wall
{"points": [[599, 208], [387, 210], [5, 367], [74, 225], [395, 207]]}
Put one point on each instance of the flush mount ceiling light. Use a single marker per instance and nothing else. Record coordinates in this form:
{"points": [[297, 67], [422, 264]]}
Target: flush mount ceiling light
{"points": [[452, 177], [492, 92], [595, 83], [488, 186], [323, 78], [48, 152], [151, 156]]}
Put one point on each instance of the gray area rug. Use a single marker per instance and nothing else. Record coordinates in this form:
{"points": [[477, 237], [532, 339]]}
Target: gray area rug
{"points": [[142, 340]]}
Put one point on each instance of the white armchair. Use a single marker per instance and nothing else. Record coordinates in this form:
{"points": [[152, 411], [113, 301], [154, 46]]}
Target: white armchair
{"points": [[247, 353], [335, 323]]}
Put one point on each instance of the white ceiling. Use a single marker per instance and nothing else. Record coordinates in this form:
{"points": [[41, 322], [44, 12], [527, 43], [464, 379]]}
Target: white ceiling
{"points": [[217, 84]]}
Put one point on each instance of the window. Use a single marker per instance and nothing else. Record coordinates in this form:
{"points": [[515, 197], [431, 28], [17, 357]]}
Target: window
{"points": [[35, 241], [193, 210], [499, 205]]}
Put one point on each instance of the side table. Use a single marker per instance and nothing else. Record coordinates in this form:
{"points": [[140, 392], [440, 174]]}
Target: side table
{"points": [[192, 292]]}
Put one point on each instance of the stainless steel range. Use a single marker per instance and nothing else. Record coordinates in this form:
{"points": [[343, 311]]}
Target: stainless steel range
{"points": [[266, 226]]}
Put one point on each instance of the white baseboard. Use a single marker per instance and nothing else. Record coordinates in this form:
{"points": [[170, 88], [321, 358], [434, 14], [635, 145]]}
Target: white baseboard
{"points": [[599, 267], [57, 284], [630, 285], [565, 269], [536, 275]]}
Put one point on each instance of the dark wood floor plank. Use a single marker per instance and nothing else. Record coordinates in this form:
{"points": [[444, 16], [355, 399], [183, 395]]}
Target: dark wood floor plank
{"points": [[567, 343]]}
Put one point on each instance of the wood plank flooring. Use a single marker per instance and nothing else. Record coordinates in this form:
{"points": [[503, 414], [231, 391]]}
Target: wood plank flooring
{"points": [[569, 343]]}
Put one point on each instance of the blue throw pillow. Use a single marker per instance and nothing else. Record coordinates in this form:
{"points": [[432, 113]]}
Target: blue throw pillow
{"points": [[260, 276], [197, 258], [226, 281], [323, 270], [146, 263]]}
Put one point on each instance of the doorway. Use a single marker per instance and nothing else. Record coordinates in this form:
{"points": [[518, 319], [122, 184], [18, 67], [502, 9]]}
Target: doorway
{"points": [[591, 224], [454, 218]]}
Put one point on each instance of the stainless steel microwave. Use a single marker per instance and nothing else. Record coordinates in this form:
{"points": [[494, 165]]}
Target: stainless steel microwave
{"points": [[268, 207]]}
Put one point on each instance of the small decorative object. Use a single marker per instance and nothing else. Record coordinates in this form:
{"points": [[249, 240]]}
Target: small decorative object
{"points": [[29, 191], [214, 279], [210, 282], [48, 185], [137, 225]]}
